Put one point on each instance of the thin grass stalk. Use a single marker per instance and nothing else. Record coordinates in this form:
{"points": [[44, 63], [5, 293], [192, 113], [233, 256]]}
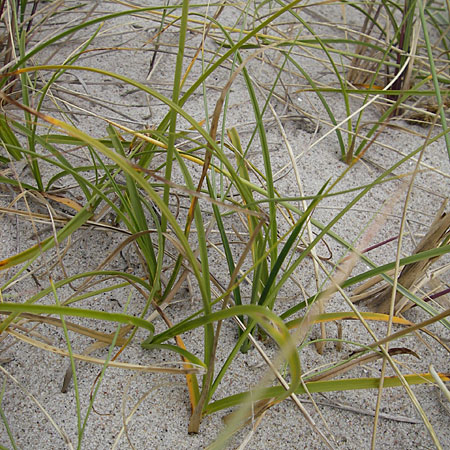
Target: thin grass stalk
{"points": [[259, 243], [393, 296], [72, 30], [233, 49], [136, 213], [381, 123], [308, 224], [71, 60], [72, 360], [326, 229], [358, 111], [349, 384], [25, 83], [3, 415], [439, 24], [228, 253], [370, 20], [404, 39], [98, 384], [58, 429], [342, 84], [434, 76], [175, 99], [391, 314], [223, 133]]}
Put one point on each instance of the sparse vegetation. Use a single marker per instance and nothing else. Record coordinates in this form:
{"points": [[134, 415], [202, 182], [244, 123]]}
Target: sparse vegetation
{"points": [[191, 198]]}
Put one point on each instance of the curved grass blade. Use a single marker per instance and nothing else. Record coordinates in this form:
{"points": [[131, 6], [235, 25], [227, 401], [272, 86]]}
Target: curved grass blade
{"points": [[78, 312], [327, 386]]}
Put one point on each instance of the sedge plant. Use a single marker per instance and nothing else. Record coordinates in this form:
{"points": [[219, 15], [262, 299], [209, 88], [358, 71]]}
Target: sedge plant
{"points": [[188, 191]]}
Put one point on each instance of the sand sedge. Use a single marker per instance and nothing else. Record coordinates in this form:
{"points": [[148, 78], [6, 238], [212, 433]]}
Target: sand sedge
{"points": [[226, 209]]}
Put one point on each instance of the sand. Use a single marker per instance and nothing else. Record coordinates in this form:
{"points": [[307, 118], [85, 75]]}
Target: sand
{"points": [[33, 376]]}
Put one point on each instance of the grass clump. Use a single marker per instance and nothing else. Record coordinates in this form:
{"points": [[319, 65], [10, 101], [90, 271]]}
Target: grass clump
{"points": [[190, 194]]}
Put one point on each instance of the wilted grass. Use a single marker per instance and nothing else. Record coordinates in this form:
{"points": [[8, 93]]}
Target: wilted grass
{"points": [[166, 187]]}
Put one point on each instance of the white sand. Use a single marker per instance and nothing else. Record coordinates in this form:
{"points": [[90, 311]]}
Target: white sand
{"points": [[162, 418]]}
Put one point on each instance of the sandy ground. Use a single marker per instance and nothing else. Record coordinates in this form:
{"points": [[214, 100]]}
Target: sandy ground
{"points": [[162, 417]]}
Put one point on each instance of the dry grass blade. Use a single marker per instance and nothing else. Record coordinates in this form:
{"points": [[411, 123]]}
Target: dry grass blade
{"points": [[439, 382], [59, 430], [412, 273], [84, 139], [412, 328], [339, 370], [97, 345], [137, 367], [99, 336], [213, 133], [44, 218], [127, 418], [346, 407]]}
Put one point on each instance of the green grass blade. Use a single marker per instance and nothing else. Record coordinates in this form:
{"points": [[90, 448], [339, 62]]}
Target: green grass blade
{"points": [[434, 76], [325, 386]]}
